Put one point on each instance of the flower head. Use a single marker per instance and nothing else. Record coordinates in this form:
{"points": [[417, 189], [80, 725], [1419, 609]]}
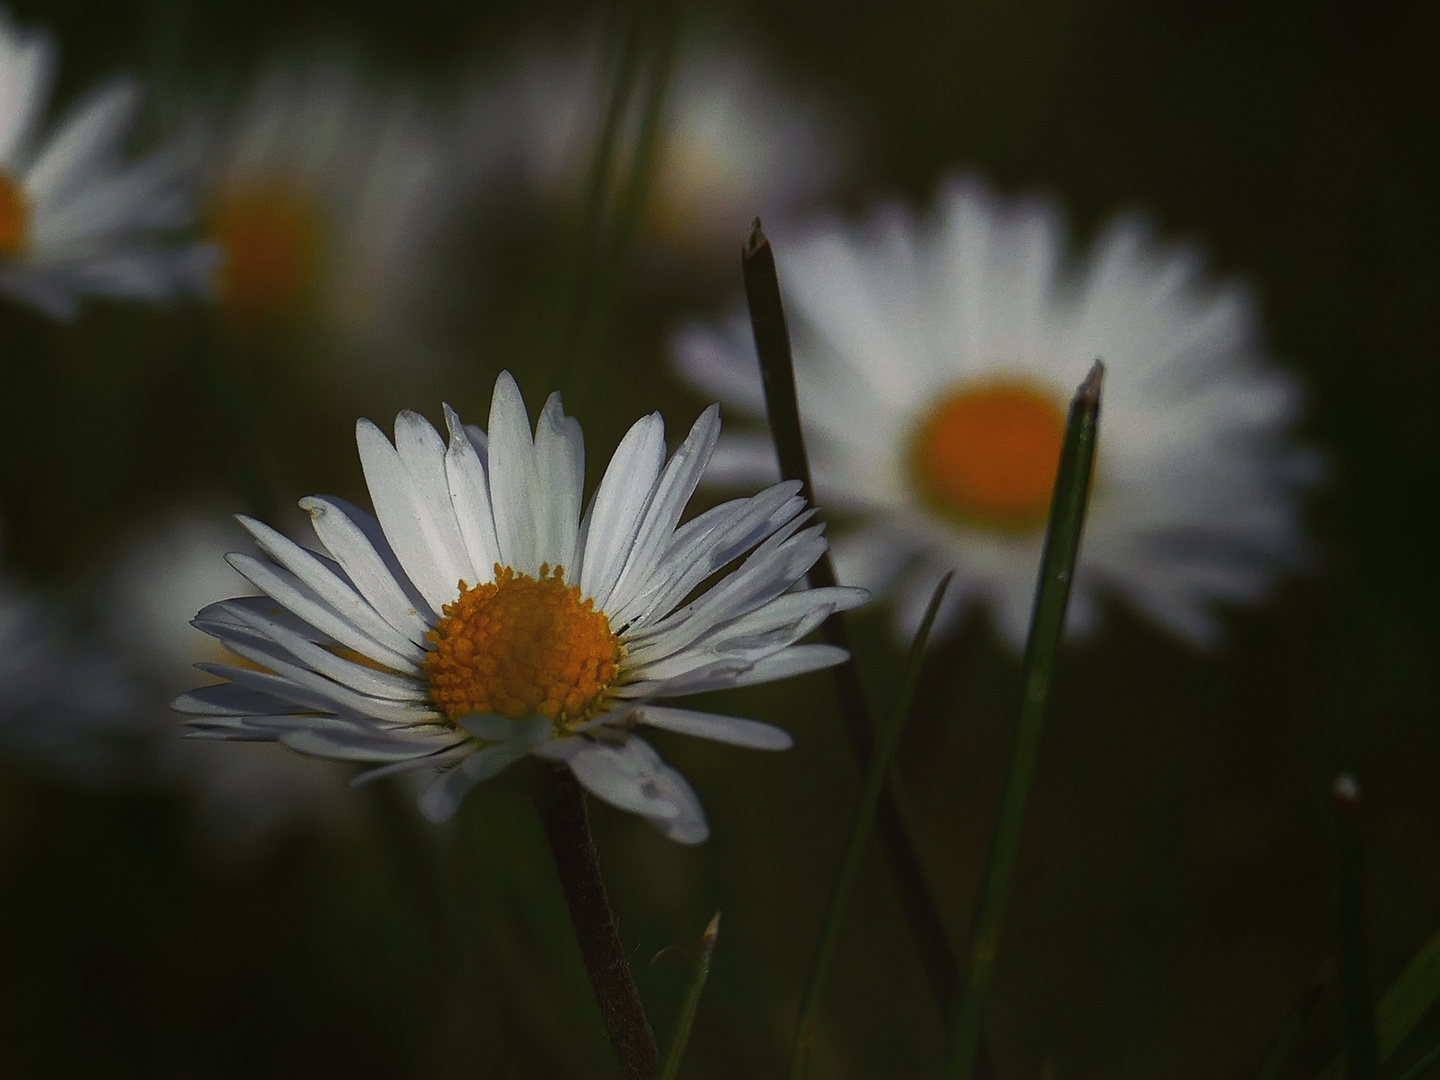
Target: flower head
{"points": [[732, 142], [482, 618], [325, 196], [66, 705], [934, 361], [75, 218]]}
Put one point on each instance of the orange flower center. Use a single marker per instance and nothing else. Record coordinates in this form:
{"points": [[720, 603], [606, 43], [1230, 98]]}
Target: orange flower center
{"points": [[268, 235], [987, 455], [14, 218], [522, 646]]}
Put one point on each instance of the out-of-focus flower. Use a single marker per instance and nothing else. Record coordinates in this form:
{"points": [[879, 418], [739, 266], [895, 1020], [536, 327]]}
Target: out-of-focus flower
{"points": [[934, 363], [243, 796], [732, 143], [65, 706], [76, 218], [482, 618], [327, 198]]}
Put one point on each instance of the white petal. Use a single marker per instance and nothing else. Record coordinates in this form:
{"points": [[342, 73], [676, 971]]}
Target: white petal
{"points": [[513, 478], [470, 495], [560, 472], [795, 660], [358, 677], [623, 775], [86, 137], [352, 742], [619, 506], [677, 484], [25, 79], [441, 798], [704, 545], [422, 452], [354, 540], [688, 826], [260, 650], [301, 601], [716, 727], [358, 626], [772, 568], [426, 561]]}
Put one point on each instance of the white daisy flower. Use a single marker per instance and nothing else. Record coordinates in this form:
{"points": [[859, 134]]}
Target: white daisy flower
{"points": [[244, 796], [482, 618], [76, 219], [934, 363], [65, 705], [326, 198], [733, 143]]}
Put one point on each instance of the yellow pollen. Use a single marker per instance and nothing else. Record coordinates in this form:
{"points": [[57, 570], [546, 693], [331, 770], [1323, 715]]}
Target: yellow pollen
{"points": [[14, 218], [522, 646], [987, 455], [269, 239]]}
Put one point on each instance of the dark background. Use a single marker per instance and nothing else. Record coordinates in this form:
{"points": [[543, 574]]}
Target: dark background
{"points": [[1174, 895]]}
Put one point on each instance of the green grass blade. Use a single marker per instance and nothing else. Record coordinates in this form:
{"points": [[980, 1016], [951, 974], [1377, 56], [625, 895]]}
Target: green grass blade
{"points": [[1424, 1065], [855, 846], [1294, 1027], [611, 217], [893, 823], [691, 1005], [1362, 1048], [1404, 1004], [1042, 649], [1409, 998]]}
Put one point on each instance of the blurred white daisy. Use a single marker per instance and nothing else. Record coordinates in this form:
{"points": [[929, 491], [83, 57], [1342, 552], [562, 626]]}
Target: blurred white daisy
{"points": [[242, 796], [482, 618], [326, 197], [732, 143], [934, 364], [66, 707], [76, 218]]}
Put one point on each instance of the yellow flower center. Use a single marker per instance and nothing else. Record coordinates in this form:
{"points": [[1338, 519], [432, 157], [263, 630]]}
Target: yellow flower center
{"points": [[522, 646], [269, 238], [14, 218], [987, 455]]}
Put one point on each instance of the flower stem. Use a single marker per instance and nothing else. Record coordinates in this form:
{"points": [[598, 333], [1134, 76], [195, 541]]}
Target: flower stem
{"points": [[893, 823], [561, 802]]}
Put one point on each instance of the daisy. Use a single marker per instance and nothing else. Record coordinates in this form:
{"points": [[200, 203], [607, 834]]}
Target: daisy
{"points": [[733, 142], [482, 618], [77, 219], [242, 796], [934, 362], [326, 198], [65, 704]]}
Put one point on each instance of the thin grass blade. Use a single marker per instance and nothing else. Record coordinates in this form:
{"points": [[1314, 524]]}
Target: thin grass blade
{"points": [[893, 822], [1294, 1027], [1042, 650], [691, 1004], [1423, 1066], [844, 886], [1362, 1046]]}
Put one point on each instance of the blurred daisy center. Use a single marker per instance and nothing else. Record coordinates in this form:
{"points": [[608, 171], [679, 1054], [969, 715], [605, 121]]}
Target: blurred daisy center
{"points": [[522, 646], [987, 455], [268, 237], [14, 216]]}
